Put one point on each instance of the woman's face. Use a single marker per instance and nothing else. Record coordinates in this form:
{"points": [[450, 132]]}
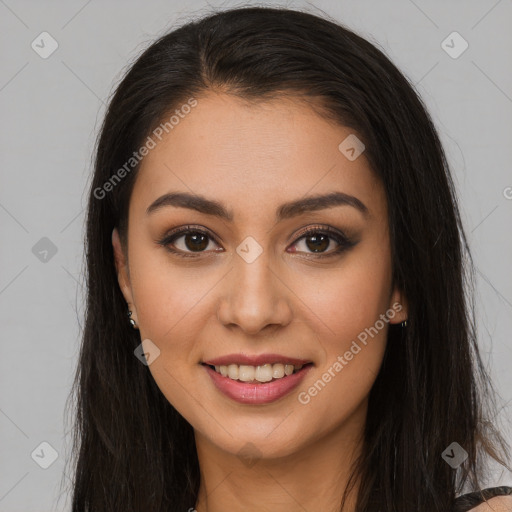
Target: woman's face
{"points": [[256, 284]]}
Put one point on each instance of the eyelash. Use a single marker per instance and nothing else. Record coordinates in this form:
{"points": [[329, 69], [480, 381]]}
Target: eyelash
{"points": [[343, 242]]}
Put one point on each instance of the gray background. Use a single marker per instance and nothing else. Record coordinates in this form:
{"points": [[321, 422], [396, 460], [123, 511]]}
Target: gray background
{"points": [[51, 110]]}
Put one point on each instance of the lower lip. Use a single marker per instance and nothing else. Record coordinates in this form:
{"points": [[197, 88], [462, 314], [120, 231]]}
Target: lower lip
{"points": [[263, 393]]}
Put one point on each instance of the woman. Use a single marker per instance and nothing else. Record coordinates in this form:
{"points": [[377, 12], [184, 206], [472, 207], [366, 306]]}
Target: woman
{"points": [[276, 312]]}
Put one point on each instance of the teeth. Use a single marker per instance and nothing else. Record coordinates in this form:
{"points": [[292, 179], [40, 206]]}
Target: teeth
{"points": [[263, 373], [246, 373], [278, 370], [233, 371]]}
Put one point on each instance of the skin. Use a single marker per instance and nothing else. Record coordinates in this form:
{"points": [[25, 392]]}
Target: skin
{"points": [[497, 504], [253, 158]]}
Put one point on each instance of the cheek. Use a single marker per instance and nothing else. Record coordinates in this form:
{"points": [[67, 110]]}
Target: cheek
{"points": [[172, 310], [350, 298], [348, 306], [172, 302]]}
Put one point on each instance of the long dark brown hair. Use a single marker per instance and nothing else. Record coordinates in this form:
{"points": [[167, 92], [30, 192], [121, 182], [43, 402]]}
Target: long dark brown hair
{"points": [[132, 451]]}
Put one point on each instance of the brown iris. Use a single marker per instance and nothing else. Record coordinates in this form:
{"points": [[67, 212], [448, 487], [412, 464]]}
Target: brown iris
{"points": [[317, 243], [196, 241]]}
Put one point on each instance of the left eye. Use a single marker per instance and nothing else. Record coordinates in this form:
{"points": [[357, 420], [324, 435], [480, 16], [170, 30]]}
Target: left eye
{"points": [[316, 242]]}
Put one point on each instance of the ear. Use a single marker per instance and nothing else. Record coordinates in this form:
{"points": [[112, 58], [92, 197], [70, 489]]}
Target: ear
{"points": [[123, 275], [400, 306]]}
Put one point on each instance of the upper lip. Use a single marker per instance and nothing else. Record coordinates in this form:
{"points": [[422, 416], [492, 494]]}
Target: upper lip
{"points": [[255, 360]]}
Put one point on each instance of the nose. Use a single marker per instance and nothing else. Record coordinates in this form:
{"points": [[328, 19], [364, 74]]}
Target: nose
{"points": [[255, 298]]}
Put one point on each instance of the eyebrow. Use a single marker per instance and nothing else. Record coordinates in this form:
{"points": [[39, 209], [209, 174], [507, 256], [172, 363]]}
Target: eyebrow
{"points": [[285, 211]]}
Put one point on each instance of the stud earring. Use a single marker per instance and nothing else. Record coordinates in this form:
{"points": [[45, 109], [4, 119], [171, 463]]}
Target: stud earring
{"points": [[132, 321], [404, 324]]}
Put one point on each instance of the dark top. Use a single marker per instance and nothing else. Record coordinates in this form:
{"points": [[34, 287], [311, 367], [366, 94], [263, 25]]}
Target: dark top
{"points": [[468, 501]]}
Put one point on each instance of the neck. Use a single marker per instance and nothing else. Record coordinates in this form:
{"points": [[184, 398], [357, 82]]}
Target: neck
{"points": [[313, 477]]}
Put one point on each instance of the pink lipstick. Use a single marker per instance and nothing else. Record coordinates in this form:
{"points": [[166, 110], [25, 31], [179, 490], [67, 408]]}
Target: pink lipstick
{"points": [[256, 392]]}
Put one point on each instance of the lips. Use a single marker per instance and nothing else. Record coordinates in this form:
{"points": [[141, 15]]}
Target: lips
{"points": [[256, 360], [268, 389]]}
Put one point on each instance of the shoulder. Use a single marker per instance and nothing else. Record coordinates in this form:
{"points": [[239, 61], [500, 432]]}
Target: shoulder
{"points": [[499, 499], [496, 504]]}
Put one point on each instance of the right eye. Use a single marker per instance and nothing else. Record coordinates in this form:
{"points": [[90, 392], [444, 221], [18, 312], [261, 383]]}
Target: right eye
{"points": [[195, 240]]}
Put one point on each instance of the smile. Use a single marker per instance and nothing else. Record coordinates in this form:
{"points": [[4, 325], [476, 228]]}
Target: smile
{"points": [[255, 374], [255, 385]]}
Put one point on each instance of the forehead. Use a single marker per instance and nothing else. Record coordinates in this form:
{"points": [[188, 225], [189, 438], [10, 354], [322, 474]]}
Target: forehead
{"points": [[252, 154]]}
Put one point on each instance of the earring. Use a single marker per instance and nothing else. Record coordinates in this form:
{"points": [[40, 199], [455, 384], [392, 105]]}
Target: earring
{"points": [[132, 321], [403, 324]]}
